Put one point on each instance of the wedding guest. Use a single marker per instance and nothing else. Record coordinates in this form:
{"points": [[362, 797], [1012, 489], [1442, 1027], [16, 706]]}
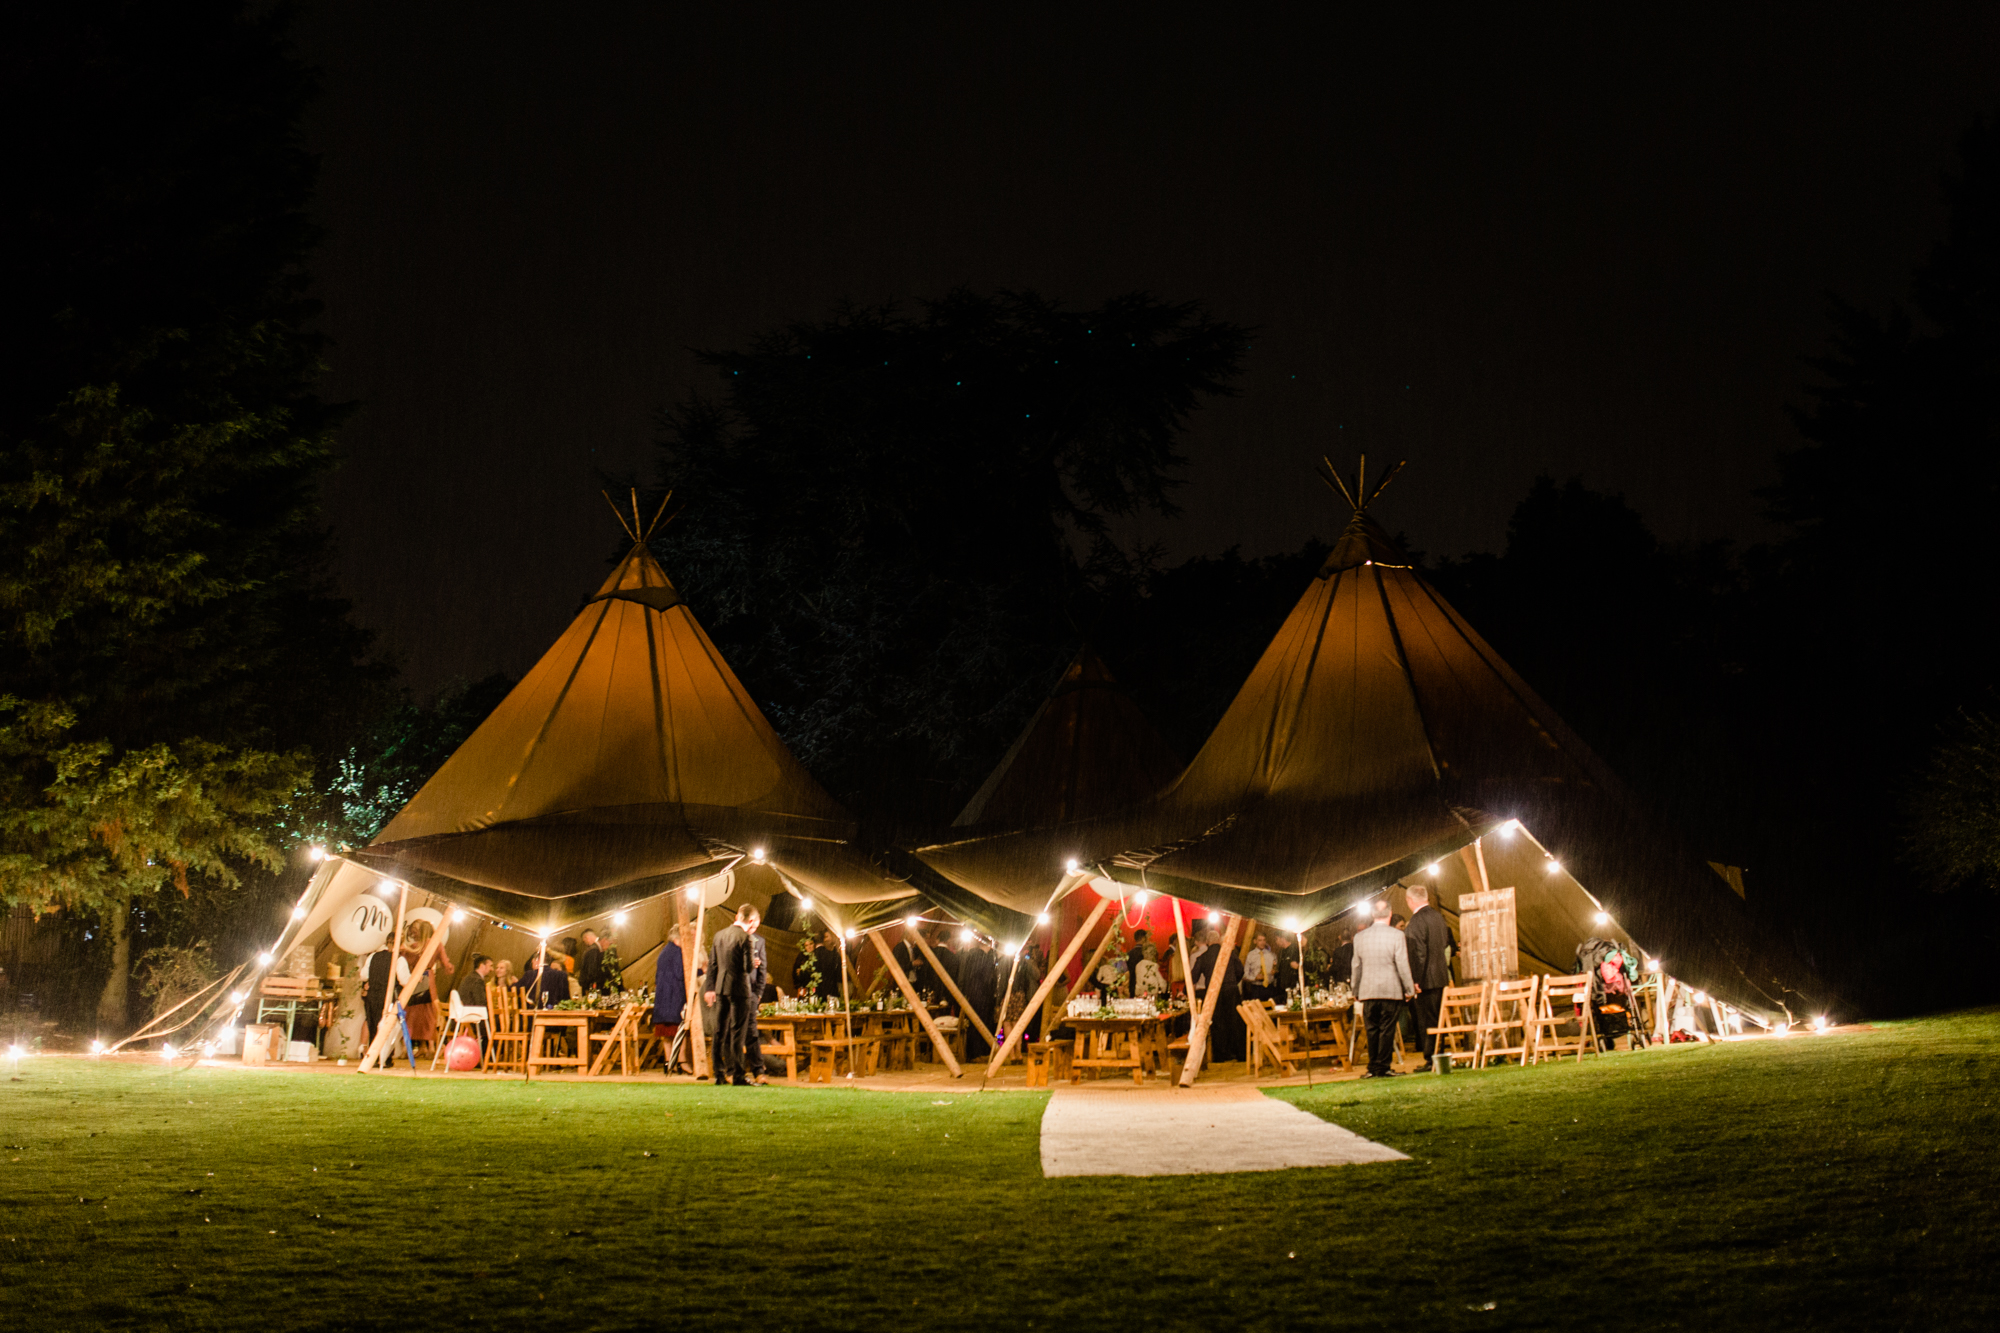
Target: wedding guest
{"points": [[670, 988], [1228, 1039], [1260, 969]]}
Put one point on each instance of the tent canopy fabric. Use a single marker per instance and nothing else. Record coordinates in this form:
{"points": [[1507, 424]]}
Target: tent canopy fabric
{"points": [[1378, 734], [627, 762], [1087, 751]]}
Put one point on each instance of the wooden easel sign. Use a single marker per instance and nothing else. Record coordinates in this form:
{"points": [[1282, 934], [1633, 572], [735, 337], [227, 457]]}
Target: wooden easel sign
{"points": [[1489, 940]]}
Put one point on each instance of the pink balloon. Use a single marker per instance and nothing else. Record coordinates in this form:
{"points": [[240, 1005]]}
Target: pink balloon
{"points": [[463, 1053]]}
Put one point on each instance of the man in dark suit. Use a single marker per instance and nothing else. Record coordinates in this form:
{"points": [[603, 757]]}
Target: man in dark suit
{"points": [[590, 966], [1430, 962], [732, 962], [979, 979], [760, 981]]}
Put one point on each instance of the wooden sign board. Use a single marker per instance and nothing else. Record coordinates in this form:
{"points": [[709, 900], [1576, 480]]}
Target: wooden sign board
{"points": [[1489, 940]]}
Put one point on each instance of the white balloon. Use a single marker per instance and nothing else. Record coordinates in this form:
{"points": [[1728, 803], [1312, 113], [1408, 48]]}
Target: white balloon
{"points": [[363, 925]]}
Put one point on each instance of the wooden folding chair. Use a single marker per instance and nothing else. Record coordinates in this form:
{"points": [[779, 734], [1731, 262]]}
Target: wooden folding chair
{"points": [[1547, 1041], [507, 1043], [1510, 1022], [619, 1040], [1267, 1043], [1461, 1015]]}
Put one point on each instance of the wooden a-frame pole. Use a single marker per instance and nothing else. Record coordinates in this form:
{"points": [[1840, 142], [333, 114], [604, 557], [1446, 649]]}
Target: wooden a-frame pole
{"points": [[931, 1028], [698, 1039], [384, 1032], [1205, 1020], [1048, 983], [944, 975], [1187, 962]]}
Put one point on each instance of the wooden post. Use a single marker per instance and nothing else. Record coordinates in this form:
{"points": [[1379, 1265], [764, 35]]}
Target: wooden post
{"points": [[1187, 965], [697, 1038], [1204, 1020], [1048, 983], [384, 1032], [944, 975], [931, 1028]]}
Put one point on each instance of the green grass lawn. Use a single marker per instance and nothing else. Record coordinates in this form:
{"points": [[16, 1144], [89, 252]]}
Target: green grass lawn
{"points": [[1844, 1181]]}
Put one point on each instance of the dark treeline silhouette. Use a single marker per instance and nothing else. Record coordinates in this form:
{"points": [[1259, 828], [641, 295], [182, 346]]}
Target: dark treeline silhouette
{"points": [[895, 530]]}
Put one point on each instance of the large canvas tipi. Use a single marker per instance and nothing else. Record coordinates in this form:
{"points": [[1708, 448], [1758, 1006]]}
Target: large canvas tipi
{"points": [[628, 761], [1377, 736]]}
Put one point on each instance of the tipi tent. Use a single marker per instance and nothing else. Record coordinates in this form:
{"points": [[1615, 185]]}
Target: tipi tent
{"points": [[1377, 736], [1087, 751], [627, 762]]}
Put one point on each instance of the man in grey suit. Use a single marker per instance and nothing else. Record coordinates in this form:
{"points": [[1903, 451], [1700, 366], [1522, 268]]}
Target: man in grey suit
{"points": [[1382, 982], [1430, 962], [732, 962]]}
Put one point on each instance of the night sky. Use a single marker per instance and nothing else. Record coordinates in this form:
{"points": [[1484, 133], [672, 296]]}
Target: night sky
{"points": [[1496, 242]]}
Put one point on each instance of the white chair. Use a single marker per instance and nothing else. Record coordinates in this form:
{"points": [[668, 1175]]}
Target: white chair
{"points": [[462, 1014]]}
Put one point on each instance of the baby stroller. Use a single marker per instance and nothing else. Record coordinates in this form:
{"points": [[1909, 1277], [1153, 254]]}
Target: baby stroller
{"points": [[1615, 1008]]}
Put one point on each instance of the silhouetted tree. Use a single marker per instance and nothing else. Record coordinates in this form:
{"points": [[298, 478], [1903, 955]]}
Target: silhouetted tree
{"points": [[896, 523], [170, 656]]}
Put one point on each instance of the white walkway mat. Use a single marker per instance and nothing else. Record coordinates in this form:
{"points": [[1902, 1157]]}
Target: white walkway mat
{"points": [[1107, 1131]]}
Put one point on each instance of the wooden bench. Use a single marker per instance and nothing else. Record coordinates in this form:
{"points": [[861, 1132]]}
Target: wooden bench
{"points": [[898, 1049], [861, 1054], [1046, 1058]]}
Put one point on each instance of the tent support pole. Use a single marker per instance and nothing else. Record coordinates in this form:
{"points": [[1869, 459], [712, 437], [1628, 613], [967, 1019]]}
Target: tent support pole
{"points": [[944, 975], [1198, 1031], [698, 1043], [1048, 984], [1187, 961], [938, 1043], [384, 1032]]}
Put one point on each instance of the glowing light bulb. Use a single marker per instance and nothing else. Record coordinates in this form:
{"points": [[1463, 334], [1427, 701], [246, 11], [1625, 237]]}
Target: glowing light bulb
{"points": [[458, 914], [1819, 1024], [16, 1051], [1652, 964], [912, 922], [387, 888], [1364, 909], [1432, 869], [757, 855], [805, 903], [618, 918], [264, 959], [316, 852], [1782, 1029], [1042, 919], [1072, 865], [1142, 897], [1701, 997], [1554, 865], [695, 891], [97, 1048], [1507, 829], [1292, 924], [168, 1052], [1011, 949], [851, 932], [238, 996], [965, 937], [1603, 918], [1215, 918]]}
